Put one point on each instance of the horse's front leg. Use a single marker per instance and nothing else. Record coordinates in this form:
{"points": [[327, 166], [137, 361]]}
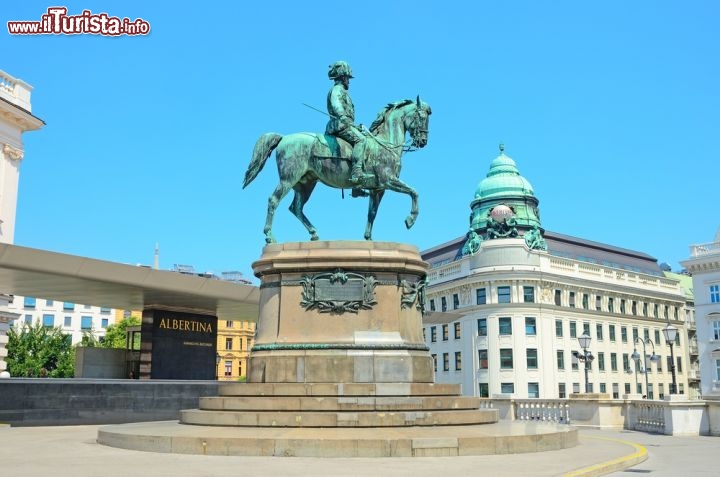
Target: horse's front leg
{"points": [[399, 186], [376, 196]]}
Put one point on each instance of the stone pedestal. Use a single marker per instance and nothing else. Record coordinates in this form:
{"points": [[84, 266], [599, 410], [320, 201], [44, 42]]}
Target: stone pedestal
{"points": [[340, 312]]}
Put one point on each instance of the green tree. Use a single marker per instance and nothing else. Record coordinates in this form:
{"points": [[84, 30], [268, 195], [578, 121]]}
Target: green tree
{"points": [[36, 348], [115, 335]]}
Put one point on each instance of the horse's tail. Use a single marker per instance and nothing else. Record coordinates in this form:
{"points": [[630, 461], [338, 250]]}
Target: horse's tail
{"points": [[263, 148]]}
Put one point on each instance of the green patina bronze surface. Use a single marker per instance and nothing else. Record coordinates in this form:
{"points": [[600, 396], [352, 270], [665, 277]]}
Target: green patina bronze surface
{"points": [[304, 159], [338, 292]]}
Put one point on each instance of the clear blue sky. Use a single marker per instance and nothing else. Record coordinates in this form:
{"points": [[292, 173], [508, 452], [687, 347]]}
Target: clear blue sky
{"points": [[610, 109]]}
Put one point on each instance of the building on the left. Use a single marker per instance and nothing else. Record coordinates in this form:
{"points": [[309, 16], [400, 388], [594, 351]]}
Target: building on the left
{"points": [[15, 119]]}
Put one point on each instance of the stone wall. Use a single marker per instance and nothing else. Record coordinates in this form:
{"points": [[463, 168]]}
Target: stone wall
{"points": [[50, 402]]}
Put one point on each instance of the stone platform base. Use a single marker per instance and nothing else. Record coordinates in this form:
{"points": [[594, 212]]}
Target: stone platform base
{"points": [[339, 420], [500, 438]]}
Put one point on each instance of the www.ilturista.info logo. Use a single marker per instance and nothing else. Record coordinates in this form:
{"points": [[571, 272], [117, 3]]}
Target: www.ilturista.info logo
{"points": [[57, 22]]}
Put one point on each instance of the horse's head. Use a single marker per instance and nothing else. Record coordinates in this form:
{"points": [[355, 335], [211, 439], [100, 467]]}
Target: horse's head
{"points": [[417, 123]]}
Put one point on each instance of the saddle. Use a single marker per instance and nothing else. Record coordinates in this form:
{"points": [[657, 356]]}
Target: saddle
{"points": [[332, 147]]}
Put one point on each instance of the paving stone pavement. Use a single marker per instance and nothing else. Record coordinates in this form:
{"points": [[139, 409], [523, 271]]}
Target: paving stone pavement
{"points": [[73, 451]]}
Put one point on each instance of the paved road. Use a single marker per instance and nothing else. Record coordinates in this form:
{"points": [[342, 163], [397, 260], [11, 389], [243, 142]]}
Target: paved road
{"points": [[72, 451]]}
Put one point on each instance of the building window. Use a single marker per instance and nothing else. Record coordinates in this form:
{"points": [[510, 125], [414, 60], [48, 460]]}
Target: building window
{"points": [[645, 314], [716, 329], [445, 332], [714, 293], [646, 334], [68, 306], [611, 305], [483, 359], [661, 391], [458, 361], [434, 357], [585, 301], [240, 372], [613, 362], [598, 302], [240, 342], [599, 331], [506, 358], [507, 388], [601, 361], [483, 390], [622, 305], [532, 359], [560, 359], [530, 326], [611, 332], [228, 369], [104, 323], [533, 390], [627, 388], [68, 321], [482, 326], [505, 325], [562, 393], [681, 388], [656, 312], [457, 330], [657, 336], [659, 364], [432, 304], [558, 297], [717, 369], [86, 322], [105, 310], [443, 304], [572, 299], [650, 391], [456, 301], [480, 296], [228, 324], [446, 362], [28, 319], [529, 294], [48, 321], [576, 388], [503, 294], [574, 361], [634, 307], [433, 334], [586, 328], [616, 391], [573, 329], [626, 362], [228, 343], [623, 334], [559, 328], [634, 334], [679, 364], [665, 312], [29, 302]]}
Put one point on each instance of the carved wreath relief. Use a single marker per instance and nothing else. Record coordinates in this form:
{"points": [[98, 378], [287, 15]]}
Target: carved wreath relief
{"points": [[338, 292]]}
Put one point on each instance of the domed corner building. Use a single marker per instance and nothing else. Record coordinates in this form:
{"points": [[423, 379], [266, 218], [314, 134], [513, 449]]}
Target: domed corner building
{"points": [[506, 303]]}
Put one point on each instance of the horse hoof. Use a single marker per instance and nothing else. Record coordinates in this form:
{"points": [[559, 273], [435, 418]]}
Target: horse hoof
{"points": [[409, 222], [314, 238]]}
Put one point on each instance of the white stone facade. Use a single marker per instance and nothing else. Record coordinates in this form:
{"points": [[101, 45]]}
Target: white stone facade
{"points": [[74, 320], [704, 265], [521, 340]]}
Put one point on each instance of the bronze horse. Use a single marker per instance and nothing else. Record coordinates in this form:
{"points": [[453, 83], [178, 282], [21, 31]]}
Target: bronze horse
{"points": [[303, 159]]}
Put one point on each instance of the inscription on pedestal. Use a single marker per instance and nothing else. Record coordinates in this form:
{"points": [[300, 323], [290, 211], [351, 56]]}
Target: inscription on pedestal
{"points": [[338, 292]]}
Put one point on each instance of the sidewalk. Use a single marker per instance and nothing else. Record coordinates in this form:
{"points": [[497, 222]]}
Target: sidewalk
{"points": [[72, 451]]}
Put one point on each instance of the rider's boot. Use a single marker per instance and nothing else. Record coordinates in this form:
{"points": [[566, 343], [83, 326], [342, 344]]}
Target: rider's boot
{"points": [[357, 176]]}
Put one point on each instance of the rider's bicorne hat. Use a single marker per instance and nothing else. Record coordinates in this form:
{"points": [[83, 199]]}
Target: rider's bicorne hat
{"points": [[338, 69]]}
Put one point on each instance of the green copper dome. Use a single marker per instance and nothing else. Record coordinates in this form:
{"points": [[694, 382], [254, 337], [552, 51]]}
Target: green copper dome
{"points": [[503, 179], [504, 186]]}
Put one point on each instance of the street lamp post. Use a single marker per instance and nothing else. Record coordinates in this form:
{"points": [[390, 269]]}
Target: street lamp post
{"points": [[636, 357], [586, 357], [670, 333], [217, 366]]}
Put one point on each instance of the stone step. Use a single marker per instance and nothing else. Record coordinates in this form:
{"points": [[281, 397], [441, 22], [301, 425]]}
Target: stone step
{"points": [[341, 389], [502, 438], [337, 403], [337, 419]]}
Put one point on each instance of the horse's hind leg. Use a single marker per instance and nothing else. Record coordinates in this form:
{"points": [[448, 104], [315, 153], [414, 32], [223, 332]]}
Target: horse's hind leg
{"points": [[302, 195], [373, 204], [280, 191]]}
